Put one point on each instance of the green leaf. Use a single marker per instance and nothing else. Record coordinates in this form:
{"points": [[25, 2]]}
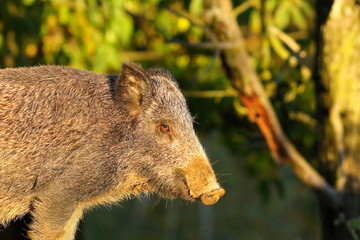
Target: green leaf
{"points": [[298, 17], [355, 223], [282, 16], [265, 53], [272, 4], [95, 17], [196, 7], [28, 2], [1, 41], [63, 14], [278, 47], [255, 22], [123, 31], [307, 10]]}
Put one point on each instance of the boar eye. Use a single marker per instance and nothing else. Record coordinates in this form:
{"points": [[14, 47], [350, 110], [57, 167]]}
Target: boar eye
{"points": [[164, 128]]}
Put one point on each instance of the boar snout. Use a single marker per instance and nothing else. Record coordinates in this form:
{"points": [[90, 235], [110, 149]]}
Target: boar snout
{"points": [[201, 181], [212, 197]]}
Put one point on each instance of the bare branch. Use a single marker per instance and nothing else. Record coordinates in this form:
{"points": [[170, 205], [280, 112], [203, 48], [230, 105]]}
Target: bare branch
{"points": [[207, 45], [243, 7], [303, 118], [210, 94]]}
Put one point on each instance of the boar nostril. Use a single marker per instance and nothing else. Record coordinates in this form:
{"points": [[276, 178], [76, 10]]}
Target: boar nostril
{"points": [[212, 197]]}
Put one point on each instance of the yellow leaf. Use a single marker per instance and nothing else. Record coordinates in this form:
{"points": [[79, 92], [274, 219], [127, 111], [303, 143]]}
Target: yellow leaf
{"points": [[31, 50], [255, 21], [278, 47], [282, 16], [183, 24]]}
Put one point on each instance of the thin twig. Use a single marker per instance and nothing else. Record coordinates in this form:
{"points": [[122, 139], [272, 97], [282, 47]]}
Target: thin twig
{"points": [[208, 67], [210, 94], [243, 7], [195, 23], [207, 45]]}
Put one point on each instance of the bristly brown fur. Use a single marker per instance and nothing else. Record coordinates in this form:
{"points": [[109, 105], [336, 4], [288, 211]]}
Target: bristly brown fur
{"points": [[72, 139]]}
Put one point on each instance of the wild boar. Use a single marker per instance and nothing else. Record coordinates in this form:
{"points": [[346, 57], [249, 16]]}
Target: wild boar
{"points": [[72, 139]]}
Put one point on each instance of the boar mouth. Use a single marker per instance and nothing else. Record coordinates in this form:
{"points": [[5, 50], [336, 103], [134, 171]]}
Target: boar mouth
{"points": [[185, 192], [211, 197], [200, 180], [191, 187], [208, 198]]}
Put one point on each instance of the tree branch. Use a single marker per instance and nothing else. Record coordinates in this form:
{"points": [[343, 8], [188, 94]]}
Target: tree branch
{"points": [[205, 45], [219, 18], [210, 94]]}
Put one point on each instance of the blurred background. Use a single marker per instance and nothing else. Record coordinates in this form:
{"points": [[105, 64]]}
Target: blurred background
{"points": [[263, 200]]}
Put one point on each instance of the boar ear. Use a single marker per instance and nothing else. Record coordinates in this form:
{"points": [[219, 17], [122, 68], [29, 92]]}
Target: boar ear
{"points": [[133, 89]]}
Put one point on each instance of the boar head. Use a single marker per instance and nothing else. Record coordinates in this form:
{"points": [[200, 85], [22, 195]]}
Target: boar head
{"points": [[162, 145]]}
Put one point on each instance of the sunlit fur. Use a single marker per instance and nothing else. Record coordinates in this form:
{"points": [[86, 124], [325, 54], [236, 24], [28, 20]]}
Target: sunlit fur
{"points": [[71, 140]]}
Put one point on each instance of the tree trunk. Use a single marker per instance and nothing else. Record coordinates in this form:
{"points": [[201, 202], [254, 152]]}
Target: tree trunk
{"points": [[338, 88]]}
